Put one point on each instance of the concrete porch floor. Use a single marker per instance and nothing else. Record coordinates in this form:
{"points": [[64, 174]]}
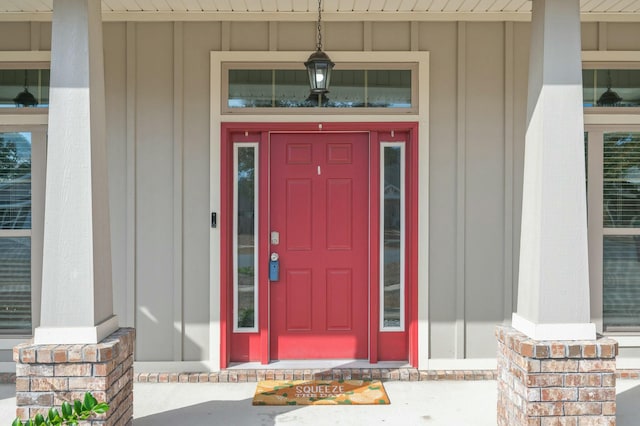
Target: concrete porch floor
{"points": [[443, 403]]}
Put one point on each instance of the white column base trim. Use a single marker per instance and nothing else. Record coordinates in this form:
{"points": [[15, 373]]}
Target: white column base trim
{"points": [[577, 331], [75, 335]]}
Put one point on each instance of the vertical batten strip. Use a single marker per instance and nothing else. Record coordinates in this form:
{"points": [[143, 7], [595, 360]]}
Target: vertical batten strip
{"points": [[602, 36], [131, 173], [178, 143], [508, 170], [461, 165]]}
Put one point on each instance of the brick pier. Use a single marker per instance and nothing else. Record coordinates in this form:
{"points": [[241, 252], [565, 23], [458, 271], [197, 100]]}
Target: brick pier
{"points": [[47, 375], [544, 383]]}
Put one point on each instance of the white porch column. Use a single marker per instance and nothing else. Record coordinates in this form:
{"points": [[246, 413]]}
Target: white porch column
{"points": [[553, 287], [77, 300]]}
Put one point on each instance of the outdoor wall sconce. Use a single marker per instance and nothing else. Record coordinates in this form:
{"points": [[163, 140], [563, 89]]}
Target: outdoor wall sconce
{"points": [[319, 65]]}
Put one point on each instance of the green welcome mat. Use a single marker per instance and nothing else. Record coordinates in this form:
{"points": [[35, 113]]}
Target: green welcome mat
{"points": [[320, 392]]}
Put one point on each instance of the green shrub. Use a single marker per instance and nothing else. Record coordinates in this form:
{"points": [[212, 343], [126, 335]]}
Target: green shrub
{"points": [[69, 415]]}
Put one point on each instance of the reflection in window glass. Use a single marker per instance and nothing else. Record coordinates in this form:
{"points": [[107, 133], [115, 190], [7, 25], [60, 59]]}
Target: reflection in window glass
{"points": [[20, 88], [392, 255], [621, 282], [15, 181], [389, 88], [611, 88], [15, 215], [245, 245], [621, 185]]}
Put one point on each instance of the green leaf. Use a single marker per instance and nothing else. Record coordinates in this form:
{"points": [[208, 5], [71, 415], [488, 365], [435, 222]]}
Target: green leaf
{"points": [[101, 408], [39, 419], [30, 423], [54, 415], [77, 407], [89, 401], [67, 410], [17, 422]]}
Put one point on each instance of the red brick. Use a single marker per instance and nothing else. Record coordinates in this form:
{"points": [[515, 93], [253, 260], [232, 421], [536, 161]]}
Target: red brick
{"points": [[558, 350], [542, 351], [544, 380], [609, 408], [87, 383], [598, 421], [544, 409], [90, 353], [583, 380], [34, 398], [34, 370], [72, 370], [60, 355], [559, 421], [597, 365], [49, 384], [44, 354], [526, 349], [597, 394], [589, 351], [74, 353], [582, 408], [574, 351], [608, 379], [557, 366], [22, 384], [28, 355], [608, 350], [559, 394]]}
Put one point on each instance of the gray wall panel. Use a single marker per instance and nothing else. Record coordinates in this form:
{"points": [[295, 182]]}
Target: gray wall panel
{"points": [[589, 34], [15, 36], [623, 36], [249, 36], [391, 36], [154, 191], [116, 99], [440, 40], [484, 225], [199, 40]]}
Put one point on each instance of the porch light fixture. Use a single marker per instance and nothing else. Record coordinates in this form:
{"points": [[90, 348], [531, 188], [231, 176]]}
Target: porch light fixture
{"points": [[25, 98], [319, 65], [609, 98]]}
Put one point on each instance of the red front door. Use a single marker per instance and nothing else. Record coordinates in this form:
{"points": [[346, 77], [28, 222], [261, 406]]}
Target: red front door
{"points": [[319, 216]]}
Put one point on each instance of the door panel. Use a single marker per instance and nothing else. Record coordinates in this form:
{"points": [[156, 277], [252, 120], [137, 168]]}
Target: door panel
{"points": [[319, 195]]}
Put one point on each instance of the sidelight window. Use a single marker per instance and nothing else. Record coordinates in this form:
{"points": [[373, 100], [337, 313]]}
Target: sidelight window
{"points": [[392, 220], [245, 256]]}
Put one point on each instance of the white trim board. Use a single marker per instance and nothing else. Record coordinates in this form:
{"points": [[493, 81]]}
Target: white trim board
{"points": [[421, 117]]}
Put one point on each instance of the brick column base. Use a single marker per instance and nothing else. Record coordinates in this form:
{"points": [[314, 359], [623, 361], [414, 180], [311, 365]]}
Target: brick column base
{"points": [[566, 383], [47, 375]]}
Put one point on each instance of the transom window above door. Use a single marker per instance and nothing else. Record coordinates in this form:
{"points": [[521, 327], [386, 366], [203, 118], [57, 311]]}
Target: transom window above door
{"points": [[382, 88]]}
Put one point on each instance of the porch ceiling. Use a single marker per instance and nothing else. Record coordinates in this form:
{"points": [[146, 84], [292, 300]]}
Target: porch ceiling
{"points": [[336, 10]]}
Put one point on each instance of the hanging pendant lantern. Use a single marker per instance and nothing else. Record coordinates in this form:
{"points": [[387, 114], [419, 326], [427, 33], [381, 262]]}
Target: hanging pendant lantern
{"points": [[25, 98], [609, 98], [319, 65]]}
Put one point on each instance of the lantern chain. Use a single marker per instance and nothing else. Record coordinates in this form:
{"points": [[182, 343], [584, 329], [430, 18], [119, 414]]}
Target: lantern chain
{"points": [[319, 45]]}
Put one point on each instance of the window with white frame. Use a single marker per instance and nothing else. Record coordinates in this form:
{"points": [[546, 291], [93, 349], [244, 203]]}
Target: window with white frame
{"points": [[245, 255], [392, 223], [386, 88]]}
